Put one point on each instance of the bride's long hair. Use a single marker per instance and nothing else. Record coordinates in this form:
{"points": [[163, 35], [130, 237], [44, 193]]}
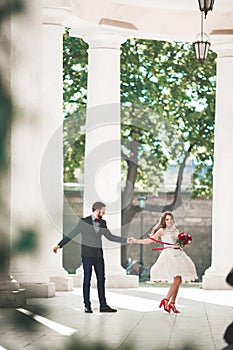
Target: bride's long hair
{"points": [[162, 222]]}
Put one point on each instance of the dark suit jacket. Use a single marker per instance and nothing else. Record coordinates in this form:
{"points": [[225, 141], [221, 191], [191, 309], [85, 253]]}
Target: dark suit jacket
{"points": [[91, 240]]}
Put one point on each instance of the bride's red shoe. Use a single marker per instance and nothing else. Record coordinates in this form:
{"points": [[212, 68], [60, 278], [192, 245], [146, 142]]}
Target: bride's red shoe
{"points": [[171, 306], [164, 303]]}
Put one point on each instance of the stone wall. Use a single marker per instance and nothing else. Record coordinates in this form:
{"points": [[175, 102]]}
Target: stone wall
{"points": [[193, 217], [72, 211]]}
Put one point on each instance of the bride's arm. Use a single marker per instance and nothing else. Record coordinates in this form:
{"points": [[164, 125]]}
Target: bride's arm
{"points": [[158, 234], [143, 241]]}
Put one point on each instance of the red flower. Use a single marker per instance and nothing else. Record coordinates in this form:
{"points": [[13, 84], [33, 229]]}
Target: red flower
{"points": [[183, 239]]}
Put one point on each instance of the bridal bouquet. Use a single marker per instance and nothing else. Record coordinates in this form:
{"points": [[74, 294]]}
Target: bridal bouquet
{"points": [[183, 239]]}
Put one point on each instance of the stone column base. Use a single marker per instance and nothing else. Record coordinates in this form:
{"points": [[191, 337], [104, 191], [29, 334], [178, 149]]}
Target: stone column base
{"points": [[215, 282], [63, 283], [39, 290], [77, 280], [122, 281], [12, 298], [112, 281]]}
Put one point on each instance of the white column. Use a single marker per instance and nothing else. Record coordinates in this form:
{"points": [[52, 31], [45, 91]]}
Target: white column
{"points": [[102, 180], [51, 179], [222, 237], [10, 293], [37, 195]]}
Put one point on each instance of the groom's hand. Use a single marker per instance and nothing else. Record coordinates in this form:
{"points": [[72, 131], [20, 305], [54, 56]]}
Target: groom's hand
{"points": [[130, 240], [55, 249]]}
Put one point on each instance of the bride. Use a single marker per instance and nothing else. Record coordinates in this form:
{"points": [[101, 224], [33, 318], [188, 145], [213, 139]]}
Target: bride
{"points": [[173, 264]]}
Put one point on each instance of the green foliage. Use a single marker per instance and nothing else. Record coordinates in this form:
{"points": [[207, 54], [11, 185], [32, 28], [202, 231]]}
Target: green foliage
{"points": [[6, 106], [167, 108], [75, 74], [26, 241], [167, 79], [8, 7], [149, 156], [6, 112], [75, 343], [75, 94], [74, 145]]}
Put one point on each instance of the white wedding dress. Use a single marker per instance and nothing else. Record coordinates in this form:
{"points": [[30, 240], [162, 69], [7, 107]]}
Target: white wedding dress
{"points": [[172, 262]]}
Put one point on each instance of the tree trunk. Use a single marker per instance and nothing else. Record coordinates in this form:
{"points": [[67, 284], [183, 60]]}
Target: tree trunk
{"points": [[127, 196]]}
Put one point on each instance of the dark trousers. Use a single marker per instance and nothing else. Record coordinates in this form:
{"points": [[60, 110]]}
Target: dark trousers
{"points": [[98, 264]]}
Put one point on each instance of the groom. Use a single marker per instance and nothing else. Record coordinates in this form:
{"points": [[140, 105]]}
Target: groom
{"points": [[92, 228]]}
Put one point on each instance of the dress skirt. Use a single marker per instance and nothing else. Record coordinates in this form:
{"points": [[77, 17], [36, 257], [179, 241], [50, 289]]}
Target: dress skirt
{"points": [[173, 262]]}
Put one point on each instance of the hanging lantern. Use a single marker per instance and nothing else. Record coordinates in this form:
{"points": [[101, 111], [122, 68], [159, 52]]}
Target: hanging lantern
{"points": [[201, 47], [201, 44], [206, 6]]}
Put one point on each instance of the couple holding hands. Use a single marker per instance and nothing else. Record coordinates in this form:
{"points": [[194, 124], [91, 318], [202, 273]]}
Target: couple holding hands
{"points": [[173, 265]]}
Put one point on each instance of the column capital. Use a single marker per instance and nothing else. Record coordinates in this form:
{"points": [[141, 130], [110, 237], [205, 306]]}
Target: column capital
{"points": [[55, 12], [101, 37], [222, 42]]}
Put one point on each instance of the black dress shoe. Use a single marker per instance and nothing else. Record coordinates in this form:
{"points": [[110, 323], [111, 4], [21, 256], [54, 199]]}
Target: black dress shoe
{"points": [[88, 310], [107, 308]]}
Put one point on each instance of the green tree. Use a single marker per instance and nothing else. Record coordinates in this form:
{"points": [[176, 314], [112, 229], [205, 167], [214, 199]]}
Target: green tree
{"points": [[75, 96], [168, 107], [175, 95], [167, 79]]}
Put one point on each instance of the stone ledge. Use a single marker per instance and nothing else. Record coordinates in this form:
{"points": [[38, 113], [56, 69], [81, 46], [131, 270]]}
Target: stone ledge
{"points": [[122, 281], [39, 290], [213, 282], [63, 283], [12, 298], [112, 281]]}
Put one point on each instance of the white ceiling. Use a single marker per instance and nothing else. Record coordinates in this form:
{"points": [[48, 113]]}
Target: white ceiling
{"points": [[177, 20], [192, 5]]}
